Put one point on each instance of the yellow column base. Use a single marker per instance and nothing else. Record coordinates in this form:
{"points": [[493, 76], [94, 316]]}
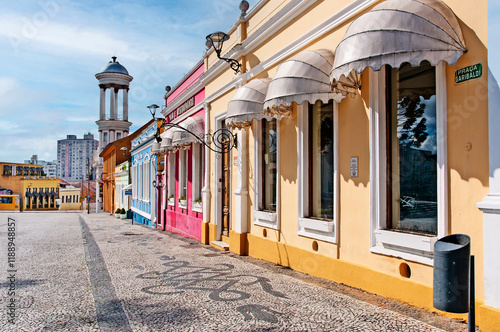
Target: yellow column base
{"points": [[238, 243], [205, 233]]}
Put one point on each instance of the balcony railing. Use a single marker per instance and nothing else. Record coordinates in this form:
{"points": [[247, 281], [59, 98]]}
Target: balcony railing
{"points": [[116, 117]]}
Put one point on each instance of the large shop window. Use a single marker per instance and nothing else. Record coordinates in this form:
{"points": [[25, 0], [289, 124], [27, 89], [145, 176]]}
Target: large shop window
{"points": [[266, 173], [318, 171], [197, 176], [409, 179], [133, 171], [146, 180], [183, 173], [171, 178]]}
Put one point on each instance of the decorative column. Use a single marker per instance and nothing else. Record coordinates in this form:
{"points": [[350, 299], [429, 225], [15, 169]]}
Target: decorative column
{"points": [[102, 108], [116, 103], [490, 205], [112, 103], [100, 140], [241, 192], [205, 192], [125, 104]]}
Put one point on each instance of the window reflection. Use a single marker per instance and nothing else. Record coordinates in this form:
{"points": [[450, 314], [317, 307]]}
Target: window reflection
{"points": [[269, 164], [321, 158], [413, 150]]}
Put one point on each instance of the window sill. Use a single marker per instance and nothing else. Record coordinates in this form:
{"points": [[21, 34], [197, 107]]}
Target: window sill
{"points": [[171, 202], [197, 207], [265, 219], [317, 229], [183, 204], [417, 248]]}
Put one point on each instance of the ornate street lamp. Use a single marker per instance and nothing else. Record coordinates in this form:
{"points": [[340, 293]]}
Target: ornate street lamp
{"points": [[216, 40]]}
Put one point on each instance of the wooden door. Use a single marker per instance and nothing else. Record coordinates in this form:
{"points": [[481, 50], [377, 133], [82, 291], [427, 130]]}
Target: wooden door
{"points": [[225, 190]]}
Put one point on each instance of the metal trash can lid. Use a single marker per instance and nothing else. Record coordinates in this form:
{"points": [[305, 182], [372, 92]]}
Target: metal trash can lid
{"points": [[456, 245]]}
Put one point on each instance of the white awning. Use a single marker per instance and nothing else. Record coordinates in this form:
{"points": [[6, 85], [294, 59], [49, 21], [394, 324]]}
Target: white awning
{"points": [[399, 31], [247, 104], [195, 125], [166, 139], [127, 187], [305, 77]]}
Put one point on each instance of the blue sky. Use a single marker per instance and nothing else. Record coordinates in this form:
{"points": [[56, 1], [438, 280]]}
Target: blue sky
{"points": [[50, 51]]}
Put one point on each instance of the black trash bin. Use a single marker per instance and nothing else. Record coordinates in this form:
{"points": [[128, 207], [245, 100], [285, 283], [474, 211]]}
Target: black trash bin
{"points": [[452, 273]]}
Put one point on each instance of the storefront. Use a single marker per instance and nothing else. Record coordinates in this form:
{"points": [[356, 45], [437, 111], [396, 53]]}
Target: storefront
{"points": [[143, 173], [362, 139], [181, 208]]}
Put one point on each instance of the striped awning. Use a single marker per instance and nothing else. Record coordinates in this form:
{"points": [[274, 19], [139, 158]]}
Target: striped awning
{"points": [[247, 104], [305, 77], [194, 130], [399, 31], [29, 194]]}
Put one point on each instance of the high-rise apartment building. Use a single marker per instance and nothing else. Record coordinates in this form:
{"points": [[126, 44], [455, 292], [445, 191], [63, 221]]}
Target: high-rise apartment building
{"points": [[74, 155]]}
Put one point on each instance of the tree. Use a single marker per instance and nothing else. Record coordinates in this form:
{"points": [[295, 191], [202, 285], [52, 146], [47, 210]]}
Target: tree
{"points": [[412, 128]]}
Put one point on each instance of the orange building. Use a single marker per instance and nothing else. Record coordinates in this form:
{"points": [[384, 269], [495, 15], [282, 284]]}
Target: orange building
{"points": [[114, 154]]}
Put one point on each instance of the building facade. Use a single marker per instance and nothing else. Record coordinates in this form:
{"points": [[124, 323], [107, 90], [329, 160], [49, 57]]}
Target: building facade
{"points": [[142, 174], [74, 155], [70, 199], [180, 199], [362, 139], [37, 191], [122, 184]]}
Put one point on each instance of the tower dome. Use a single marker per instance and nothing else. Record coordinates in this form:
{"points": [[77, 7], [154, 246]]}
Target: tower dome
{"points": [[114, 67]]}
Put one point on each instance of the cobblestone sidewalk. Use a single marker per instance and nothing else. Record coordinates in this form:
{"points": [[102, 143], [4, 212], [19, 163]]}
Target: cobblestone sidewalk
{"points": [[79, 272]]}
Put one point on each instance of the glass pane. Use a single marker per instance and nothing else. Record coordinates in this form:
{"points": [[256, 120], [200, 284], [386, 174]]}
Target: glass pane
{"points": [[414, 149], [269, 163], [321, 153]]}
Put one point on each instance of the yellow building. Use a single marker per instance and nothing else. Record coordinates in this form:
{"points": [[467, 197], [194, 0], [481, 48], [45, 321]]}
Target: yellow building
{"points": [[37, 191], [362, 131], [70, 199]]}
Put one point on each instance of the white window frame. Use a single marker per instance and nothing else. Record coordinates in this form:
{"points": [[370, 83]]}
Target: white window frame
{"points": [[134, 181], [183, 177], [312, 228], [146, 179], [265, 218], [196, 170], [172, 157], [412, 247], [152, 171]]}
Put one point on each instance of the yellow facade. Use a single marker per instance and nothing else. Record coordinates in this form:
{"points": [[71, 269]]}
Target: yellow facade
{"points": [[43, 192], [70, 199], [350, 259]]}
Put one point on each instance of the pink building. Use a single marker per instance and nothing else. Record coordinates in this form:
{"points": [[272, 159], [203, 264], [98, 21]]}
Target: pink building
{"points": [[180, 200]]}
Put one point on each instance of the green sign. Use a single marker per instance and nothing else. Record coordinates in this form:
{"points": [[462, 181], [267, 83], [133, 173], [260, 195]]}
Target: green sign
{"points": [[468, 73]]}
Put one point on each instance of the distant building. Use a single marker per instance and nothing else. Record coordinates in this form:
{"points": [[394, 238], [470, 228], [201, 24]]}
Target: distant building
{"points": [[49, 167], [37, 192], [73, 156]]}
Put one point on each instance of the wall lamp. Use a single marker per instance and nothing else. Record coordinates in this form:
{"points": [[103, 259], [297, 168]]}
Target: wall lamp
{"points": [[216, 40], [224, 140]]}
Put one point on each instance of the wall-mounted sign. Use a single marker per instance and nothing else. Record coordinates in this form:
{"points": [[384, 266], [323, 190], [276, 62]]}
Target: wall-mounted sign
{"points": [[354, 167], [128, 192], [181, 109], [468, 73]]}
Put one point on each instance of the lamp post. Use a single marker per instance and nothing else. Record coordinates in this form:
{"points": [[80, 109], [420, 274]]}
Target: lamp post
{"points": [[216, 40]]}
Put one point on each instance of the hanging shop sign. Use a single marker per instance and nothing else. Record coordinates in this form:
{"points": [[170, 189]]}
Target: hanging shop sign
{"points": [[468, 73]]}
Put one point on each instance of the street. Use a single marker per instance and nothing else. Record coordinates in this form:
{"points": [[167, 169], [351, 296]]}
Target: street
{"points": [[93, 272]]}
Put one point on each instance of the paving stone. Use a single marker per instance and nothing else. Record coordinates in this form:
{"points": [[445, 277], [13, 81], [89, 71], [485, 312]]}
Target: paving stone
{"points": [[93, 272]]}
